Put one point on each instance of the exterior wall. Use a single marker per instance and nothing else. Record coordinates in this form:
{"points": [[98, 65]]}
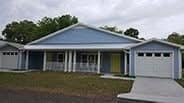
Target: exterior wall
{"points": [[35, 60], [106, 62], [155, 46], [84, 35]]}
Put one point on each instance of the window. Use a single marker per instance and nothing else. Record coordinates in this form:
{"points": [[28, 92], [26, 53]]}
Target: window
{"points": [[8, 53], [149, 54], [4, 53], [157, 54], [60, 57], [141, 54], [12, 53], [15, 53], [166, 54]]}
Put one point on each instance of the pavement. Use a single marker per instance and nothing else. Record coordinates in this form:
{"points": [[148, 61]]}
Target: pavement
{"points": [[155, 90], [111, 76]]}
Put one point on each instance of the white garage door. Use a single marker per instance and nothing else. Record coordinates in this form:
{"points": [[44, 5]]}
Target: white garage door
{"points": [[9, 60], [155, 64]]}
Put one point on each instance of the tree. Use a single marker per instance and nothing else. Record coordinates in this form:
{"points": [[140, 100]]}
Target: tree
{"points": [[112, 29], [49, 25], [176, 38], [26, 31], [132, 32], [20, 32]]}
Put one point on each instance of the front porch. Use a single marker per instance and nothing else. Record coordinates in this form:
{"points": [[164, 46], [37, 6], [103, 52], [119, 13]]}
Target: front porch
{"points": [[81, 61]]}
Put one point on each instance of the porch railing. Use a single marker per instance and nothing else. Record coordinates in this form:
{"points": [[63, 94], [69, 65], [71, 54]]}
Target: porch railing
{"points": [[80, 67], [86, 67], [55, 66]]}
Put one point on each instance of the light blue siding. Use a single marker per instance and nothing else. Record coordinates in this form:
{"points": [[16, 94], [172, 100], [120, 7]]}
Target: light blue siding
{"points": [[84, 35], [155, 46]]}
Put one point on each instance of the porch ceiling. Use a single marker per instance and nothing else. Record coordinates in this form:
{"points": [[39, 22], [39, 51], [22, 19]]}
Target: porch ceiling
{"points": [[78, 47]]}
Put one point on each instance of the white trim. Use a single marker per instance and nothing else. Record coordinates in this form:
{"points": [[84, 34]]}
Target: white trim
{"points": [[173, 64], [130, 63], [74, 61], [20, 60], [70, 62], [81, 24], [125, 65], [78, 46], [180, 64], [156, 40], [27, 59], [66, 59], [98, 63], [44, 60]]}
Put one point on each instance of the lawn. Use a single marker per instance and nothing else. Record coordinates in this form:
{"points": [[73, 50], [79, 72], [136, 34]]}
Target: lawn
{"points": [[78, 84]]}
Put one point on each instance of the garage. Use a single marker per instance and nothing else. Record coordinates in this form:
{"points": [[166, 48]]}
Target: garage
{"points": [[9, 60], [155, 64], [156, 58], [10, 55]]}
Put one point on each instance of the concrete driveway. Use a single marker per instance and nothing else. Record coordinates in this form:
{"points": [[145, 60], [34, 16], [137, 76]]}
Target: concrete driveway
{"points": [[156, 90]]}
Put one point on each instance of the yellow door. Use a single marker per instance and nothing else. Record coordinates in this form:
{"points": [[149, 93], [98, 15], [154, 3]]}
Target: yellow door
{"points": [[115, 63]]}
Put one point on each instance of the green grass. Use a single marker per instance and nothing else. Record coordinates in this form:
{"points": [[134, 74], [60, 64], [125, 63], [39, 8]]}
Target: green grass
{"points": [[66, 83]]}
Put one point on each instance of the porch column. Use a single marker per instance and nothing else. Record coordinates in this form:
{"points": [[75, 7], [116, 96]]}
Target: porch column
{"points": [[66, 59], [74, 61], [98, 63], [20, 60], [70, 61], [27, 59], [125, 66], [44, 60]]}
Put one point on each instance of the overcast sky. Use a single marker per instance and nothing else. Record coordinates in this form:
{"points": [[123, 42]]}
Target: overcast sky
{"points": [[153, 18]]}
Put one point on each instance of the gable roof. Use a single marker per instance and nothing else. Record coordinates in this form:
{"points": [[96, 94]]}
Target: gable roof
{"points": [[16, 45], [156, 40], [81, 24]]}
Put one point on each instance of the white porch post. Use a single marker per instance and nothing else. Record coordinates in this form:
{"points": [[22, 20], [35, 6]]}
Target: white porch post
{"points": [[125, 66], [20, 59], [98, 63], [44, 60], [66, 61], [74, 61], [70, 61], [27, 59]]}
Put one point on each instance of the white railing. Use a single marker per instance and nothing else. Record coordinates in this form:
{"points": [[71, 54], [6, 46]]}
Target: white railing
{"points": [[86, 67], [80, 67], [55, 66]]}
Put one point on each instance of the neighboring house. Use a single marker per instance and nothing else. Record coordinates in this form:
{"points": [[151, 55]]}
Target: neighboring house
{"points": [[83, 48], [10, 55]]}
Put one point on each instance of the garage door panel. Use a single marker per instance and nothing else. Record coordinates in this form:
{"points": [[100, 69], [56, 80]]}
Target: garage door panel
{"points": [[9, 60], [156, 66]]}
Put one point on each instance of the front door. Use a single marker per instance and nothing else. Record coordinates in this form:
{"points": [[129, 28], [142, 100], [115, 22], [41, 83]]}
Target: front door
{"points": [[115, 63]]}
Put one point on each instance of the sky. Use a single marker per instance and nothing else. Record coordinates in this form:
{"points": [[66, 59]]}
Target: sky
{"points": [[153, 18]]}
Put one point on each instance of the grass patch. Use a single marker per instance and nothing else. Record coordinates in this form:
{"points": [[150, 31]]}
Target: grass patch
{"points": [[65, 83]]}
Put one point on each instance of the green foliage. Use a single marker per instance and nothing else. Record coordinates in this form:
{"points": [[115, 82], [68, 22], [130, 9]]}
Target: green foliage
{"points": [[20, 32], [176, 38], [26, 31], [112, 29], [132, 32]]}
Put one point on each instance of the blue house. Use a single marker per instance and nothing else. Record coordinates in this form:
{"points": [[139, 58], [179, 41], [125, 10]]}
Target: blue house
{"points": [[83, 48]]}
